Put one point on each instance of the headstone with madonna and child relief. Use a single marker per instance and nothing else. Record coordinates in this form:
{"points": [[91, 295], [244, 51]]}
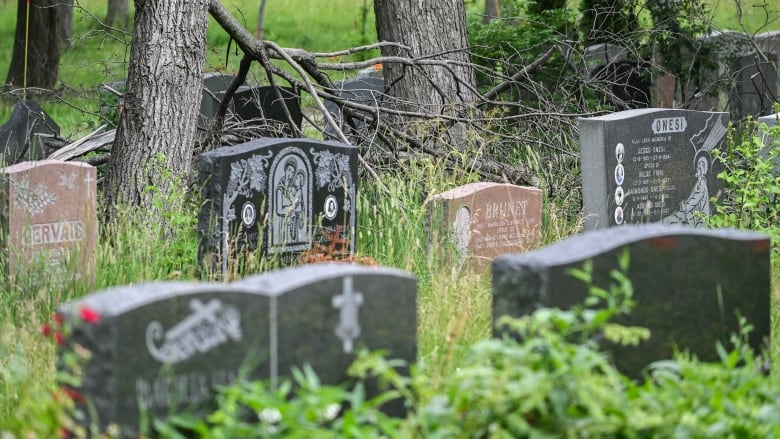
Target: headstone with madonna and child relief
{"points": [[690, 286], [487, 219], [651, 165], [279, 196], [49, 220]]}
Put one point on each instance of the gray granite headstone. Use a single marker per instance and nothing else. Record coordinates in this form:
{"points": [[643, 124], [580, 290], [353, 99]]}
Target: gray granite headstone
{"points": [[325, 313], [165, 346], [365, 90], [214, 83], [20, 136], [650, 165], [689, 285], [278, 195]]}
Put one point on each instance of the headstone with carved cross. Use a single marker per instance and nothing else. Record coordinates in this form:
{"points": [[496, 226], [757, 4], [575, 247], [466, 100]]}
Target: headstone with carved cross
{"points": [[323, 314], [48, 220]]}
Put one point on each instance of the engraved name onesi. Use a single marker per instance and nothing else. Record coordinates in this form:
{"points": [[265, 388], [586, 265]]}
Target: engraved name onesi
{"points": [[53, 233], [208, 326], [669, 125]]}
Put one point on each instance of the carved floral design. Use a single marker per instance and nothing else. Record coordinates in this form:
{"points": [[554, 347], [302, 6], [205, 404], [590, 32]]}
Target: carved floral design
{"points": [[33, 199], [332, 170]]}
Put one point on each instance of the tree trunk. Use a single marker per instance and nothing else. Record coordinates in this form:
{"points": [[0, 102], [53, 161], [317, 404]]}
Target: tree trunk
{"points": [[492, 11], [43, 47], [66, 22], [434, 30], [156, 133], [118, 14]]}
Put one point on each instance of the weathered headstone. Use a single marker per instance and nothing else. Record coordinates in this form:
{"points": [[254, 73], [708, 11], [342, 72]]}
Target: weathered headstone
{"points": [[489, 219], [650, 165], [214, 83], [165, 346], [688, 285], [262, 103], [20, 136], [368, 89], [48, 218], [280, 196]]}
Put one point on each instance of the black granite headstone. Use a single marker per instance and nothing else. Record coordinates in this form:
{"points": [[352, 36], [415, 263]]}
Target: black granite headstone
{"points": [[262, 103], [214, 84], [326, 312], [19, 140], [650, 165], [365, 90], [163, 347], [689, 285], [278, 195]]}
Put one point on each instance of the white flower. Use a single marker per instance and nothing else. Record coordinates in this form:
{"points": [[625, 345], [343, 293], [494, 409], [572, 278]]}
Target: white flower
{"points": [[330, 412], [269, 415]]}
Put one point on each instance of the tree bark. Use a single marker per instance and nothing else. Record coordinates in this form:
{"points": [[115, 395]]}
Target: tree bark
{"points": [[434, 30], [66, 22], [157, 129], [118, 14], [492, 11], [43, 47]]}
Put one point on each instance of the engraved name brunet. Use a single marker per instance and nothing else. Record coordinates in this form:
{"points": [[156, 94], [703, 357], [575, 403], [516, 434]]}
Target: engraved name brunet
{"points": [[209, 326]]}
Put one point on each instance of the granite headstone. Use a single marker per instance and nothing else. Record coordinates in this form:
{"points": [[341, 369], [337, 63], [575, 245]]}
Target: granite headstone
{"points": [[368, 90], [486, 219], [159, 348], [20, 137], [48, 219], [689, 285], [650, 165], [280, 196], [214, 84], [261, 104]]}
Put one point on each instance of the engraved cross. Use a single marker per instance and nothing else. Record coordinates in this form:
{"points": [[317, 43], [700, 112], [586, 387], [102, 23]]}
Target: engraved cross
{"points": [[348, 303], [88, 180]]}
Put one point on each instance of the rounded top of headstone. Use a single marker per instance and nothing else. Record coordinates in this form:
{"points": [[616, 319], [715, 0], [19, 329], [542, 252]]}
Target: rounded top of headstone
{"points": [[119, 300], [470, 188], [592, 243], [39, 164], [627, 114], [228, 151], [280, 281]]}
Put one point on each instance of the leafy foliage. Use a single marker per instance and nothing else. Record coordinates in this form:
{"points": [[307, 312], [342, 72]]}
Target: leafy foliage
{"points": [[752, 181]]}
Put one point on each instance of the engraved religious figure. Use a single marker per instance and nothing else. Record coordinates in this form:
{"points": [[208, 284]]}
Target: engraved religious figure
{"points": [[348, 304], [461, 229], [699, 199], [290, 203]]}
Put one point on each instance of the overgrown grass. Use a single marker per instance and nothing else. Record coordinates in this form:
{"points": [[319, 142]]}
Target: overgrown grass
{"points": [[454, 303]]}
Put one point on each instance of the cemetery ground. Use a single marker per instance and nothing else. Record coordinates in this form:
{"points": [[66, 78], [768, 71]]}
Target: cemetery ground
{"points": [[454, 304]]}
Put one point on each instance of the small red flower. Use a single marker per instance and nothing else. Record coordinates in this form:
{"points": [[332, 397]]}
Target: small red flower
{"points": [[89, 315], [45, 330], [63, 433], [59, 338], [73, 394]]}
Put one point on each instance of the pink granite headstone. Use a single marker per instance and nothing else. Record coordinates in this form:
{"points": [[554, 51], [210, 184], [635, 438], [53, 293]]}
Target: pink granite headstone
{"points": [[49, 219], [490, 219]]}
